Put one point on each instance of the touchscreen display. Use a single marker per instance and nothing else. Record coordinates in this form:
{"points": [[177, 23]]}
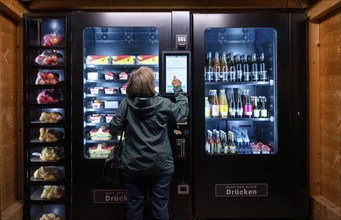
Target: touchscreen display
{"points": [[176, 65]]}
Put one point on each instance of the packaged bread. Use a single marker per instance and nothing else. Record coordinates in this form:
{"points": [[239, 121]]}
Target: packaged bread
{"points": [[50, 216], [50, 154], [52, 192], [50, 135], [50, 117], [47, 173]]}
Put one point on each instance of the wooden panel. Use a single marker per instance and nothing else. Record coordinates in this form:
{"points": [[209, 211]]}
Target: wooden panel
{"points": [[8, 109], [323, 209], [314, 109], [14, 8], [322, 9], [330, 107], [166, 4]]}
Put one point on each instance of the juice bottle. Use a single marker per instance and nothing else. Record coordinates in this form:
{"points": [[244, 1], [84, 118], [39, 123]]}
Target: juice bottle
{"points": [[223, 105]]}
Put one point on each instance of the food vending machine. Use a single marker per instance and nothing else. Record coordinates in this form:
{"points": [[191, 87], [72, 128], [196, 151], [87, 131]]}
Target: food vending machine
{"points": [[250, 156], [106, 49], [47, 139]]}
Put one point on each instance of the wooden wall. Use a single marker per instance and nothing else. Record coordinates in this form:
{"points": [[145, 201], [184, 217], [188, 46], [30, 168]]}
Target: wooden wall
{"points": [[325, 110], [11, 154]]}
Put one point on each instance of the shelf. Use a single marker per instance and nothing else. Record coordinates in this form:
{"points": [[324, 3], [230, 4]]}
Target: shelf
{"points": [[100, 142], [233, 84], [57, 124], [104, 95], [96, 124], [37, 141], [122, 66], [270, 119], [106, 81], [101, 110]]}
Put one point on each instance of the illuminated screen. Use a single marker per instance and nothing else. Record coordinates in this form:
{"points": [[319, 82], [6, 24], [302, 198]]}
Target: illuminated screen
{"points": [[176, 65]]}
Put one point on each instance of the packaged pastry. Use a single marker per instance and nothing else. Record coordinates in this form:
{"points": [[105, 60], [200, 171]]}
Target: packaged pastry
{"points": [[100, 150], [47, 78], [148, 59], [123, 59], [50, 154], [101, 133], [52, 192], [50, 135], [98, 60], [50, 216], [47, 173], [50, 117]]}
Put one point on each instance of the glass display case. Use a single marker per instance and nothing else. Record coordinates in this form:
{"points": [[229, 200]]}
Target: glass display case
{"points": [[111, 55], [47, 112], [240, 91]]}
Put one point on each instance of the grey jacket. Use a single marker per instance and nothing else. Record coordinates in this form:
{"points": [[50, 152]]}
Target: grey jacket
{"points": [[147, 149]]}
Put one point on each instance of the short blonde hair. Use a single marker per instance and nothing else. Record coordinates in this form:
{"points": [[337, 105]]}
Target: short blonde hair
{"points": [[141, 83]]}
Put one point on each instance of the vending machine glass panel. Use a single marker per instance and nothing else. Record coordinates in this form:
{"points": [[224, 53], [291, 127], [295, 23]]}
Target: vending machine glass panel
{"points": [[240, 91], [111, 55]]}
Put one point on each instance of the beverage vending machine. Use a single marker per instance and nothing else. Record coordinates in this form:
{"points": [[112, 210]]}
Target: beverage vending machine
{"points": [[106, 49], [250, 156]]}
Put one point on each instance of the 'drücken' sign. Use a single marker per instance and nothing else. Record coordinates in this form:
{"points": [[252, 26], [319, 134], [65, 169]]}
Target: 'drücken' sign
{"points": [[241, 190]]}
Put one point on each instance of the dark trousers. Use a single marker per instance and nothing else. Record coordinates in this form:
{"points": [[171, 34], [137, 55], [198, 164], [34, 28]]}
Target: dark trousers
{"points": [[137, 186]]}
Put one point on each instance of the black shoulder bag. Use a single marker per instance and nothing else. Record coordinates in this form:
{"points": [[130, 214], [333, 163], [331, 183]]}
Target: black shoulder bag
{"points": [[112, 171]]}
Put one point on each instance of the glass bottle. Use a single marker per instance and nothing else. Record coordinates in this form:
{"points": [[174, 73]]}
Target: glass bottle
{"points": [[232, 70], [256, 110], [216, 67], [208, 146], [224, 68], [239, 105], [232, 104], [223, 105], [232, 147], [246, 67], [263, 109], [214, 104], [239, 70], [262, 69], [209, 68], [248, 105], [254, 68], [207, 108]]}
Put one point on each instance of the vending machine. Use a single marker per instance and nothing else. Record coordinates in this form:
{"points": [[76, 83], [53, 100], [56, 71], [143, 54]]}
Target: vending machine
{"points": [[47, 119], [250, 154], [106, 49]]}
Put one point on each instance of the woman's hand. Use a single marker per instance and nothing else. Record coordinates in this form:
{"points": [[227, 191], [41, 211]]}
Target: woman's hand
{"points": [[176, 82]]}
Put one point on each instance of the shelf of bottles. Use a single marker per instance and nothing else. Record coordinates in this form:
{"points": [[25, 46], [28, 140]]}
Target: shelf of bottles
{"points": [[105, 78], [240, 94], [46, 117]]}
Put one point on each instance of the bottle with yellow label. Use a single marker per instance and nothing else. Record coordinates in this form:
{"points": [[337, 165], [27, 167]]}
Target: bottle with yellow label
{"points": [[223, 105]]}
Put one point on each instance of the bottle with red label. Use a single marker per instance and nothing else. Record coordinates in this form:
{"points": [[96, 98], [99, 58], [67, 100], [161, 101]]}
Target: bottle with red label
{"points": [[248, 105]]}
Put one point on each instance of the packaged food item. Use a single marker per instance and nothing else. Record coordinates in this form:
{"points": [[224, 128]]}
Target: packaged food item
{"points": [[100, 134], [110, 104], [49, 58], [123, 59], [92, 75], [47, 78], [95, 118], [50, 117], [48, 173], [52, 39], [51, 154], [123, 88], [52, 192], [49, 96], [108, 117], [123, 76], [98, 60], [110, 76], [50, 135], [100, 150], [148, 59], [50, 216], [97, 104]]}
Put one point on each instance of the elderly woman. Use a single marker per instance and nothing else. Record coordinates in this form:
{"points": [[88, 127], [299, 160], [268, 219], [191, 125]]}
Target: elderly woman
{"points": [[146, 156]]}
